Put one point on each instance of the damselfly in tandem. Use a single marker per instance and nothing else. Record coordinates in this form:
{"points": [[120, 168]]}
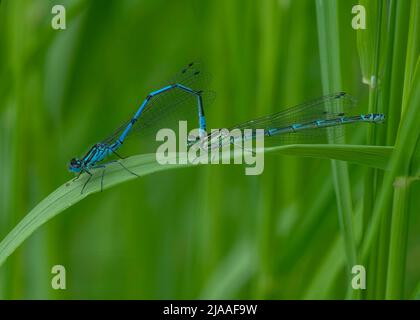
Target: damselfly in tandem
{"points": [[319, 120]]}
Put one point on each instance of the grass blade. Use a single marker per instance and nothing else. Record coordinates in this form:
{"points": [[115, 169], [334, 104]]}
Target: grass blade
{"points": [[398, 240], [69, 193], [329, 44], [401, 160]]}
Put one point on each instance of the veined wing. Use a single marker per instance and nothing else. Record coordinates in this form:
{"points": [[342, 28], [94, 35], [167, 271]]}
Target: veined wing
{"points": [[166, 109], [327, 107]]}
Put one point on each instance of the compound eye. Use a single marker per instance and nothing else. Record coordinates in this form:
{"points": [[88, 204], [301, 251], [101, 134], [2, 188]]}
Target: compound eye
{"points": [[74, 162]]}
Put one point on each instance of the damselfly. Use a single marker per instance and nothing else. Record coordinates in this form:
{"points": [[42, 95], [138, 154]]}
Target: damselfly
{"points": [[184, 91], [317, 121]]}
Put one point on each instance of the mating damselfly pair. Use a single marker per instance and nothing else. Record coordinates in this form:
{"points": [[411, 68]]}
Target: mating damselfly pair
{"points": [[319, 120]]}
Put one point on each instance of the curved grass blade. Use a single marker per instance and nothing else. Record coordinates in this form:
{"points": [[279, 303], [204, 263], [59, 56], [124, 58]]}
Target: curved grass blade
{"points": [[69, 193]]}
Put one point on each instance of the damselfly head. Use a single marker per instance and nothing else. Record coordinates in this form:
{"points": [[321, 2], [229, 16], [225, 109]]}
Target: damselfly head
{"points": [[75, 165]]}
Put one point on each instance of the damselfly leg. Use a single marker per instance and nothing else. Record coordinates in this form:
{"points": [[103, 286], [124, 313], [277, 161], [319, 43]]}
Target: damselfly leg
{"points": [[103, 173], [87, 181]]}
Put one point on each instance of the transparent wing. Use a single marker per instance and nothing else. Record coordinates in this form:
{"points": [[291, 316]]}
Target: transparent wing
{"points": [[166, 109], [327, 107], [194, 76]]}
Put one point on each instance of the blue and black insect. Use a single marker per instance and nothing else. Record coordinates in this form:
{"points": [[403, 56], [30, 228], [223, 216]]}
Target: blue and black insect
{"points": [[319, 120], [184, 91]]}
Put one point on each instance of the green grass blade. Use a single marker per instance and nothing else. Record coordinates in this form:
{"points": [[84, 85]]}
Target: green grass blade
{"points": [[69, 193], [232, 274], [416, 293], [369, 47], [329, 45], [398, 240], [401, 160], [367, 42], [413, 46], [271, 17], [321, 285], [370, 156], [393, 97], [397, 71]]}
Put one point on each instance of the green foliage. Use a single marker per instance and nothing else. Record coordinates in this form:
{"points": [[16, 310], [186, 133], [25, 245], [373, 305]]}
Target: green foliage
{"points": [[208, 231], [70, 193]]}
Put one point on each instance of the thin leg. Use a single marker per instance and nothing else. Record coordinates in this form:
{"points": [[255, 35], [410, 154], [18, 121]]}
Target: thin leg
{"points": [[114, 152], [102, 176], [124, 167], [243, 148], [77, 177], [87, 181], [102, 180], [197, 158], [128, 169], [214, 155]]}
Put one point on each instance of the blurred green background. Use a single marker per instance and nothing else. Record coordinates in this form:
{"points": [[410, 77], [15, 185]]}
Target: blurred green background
{"points": [[204, 232]]}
